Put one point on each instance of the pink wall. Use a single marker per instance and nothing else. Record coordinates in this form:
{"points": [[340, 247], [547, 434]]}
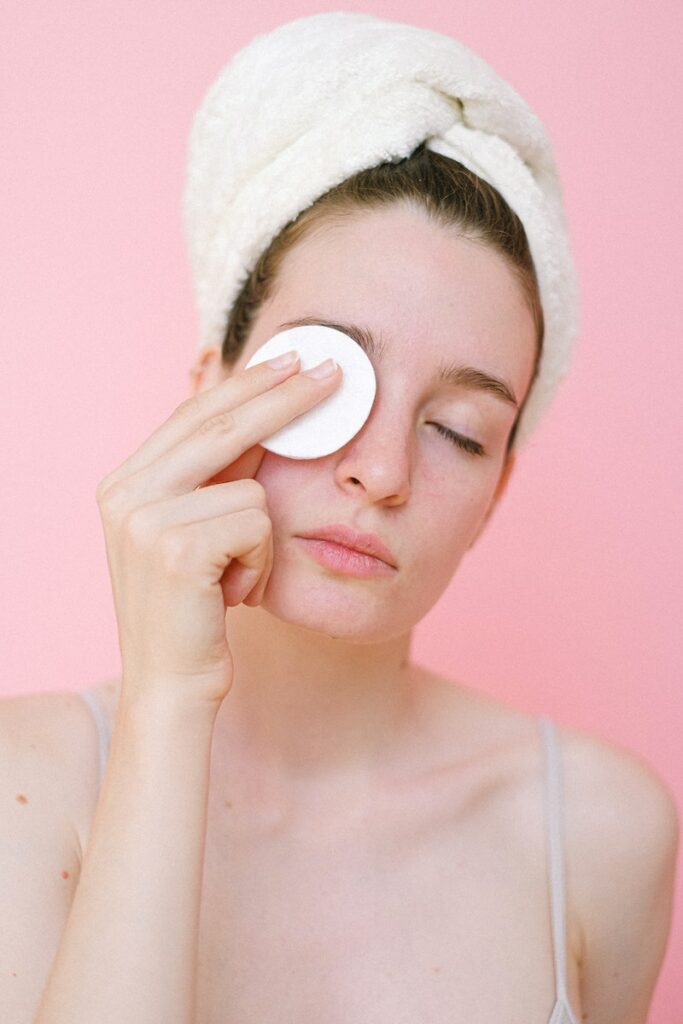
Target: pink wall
{"points": [[571, 603]]}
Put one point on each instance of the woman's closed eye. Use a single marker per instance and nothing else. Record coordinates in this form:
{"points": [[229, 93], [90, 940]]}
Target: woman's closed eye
{"points": [[466, 443]]}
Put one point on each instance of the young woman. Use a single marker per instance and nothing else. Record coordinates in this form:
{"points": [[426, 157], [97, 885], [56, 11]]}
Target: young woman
{"points": [[293, 820]]}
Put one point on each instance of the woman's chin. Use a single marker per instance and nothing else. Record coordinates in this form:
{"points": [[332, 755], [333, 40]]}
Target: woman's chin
{"points": [[327, 605]]}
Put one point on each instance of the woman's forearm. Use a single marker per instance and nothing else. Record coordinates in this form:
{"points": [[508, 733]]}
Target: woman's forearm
{"points": [[129, 950]]}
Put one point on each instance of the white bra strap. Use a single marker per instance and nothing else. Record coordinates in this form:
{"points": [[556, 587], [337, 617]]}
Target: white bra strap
{"points": [[94, 702], [554, 811]]}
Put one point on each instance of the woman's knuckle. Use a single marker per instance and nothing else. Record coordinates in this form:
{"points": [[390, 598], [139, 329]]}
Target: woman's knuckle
{"points": [[263, 520], [256, 492], [139, 528], [111, 497], [101, 489], [222, 423], [189, 408]]}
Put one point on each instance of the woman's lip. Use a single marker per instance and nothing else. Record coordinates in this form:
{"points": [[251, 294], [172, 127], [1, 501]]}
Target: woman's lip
{"points": [[357, 540], [346, 560]]}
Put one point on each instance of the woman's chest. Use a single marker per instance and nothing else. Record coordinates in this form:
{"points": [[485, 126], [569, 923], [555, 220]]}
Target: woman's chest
{"points": [[441, 923]]}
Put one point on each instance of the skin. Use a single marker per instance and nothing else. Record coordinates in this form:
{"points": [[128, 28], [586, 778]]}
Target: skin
{"points": [[375, 834], [375, 842], [332, 700]]}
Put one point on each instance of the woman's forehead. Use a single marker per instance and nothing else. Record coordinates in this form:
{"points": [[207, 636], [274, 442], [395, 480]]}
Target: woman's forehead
{"points": [[448, 297], [399, 255]]}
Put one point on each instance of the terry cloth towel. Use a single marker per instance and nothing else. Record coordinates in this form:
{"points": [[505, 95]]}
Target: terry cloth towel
{"points": [[302, 107]]}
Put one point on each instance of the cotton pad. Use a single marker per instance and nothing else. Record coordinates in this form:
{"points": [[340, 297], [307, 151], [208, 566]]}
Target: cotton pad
{"points": [[331, 423]]}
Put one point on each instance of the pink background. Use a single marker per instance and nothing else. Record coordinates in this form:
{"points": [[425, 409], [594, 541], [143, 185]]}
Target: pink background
{"points": [[571, 602]]}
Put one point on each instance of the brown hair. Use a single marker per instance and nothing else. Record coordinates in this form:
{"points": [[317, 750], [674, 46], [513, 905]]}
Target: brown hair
{"points": [[450, 194]]}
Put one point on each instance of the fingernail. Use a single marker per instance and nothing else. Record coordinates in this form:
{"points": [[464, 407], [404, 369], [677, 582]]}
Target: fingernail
{"points": [[287, 359], [325, 369]]}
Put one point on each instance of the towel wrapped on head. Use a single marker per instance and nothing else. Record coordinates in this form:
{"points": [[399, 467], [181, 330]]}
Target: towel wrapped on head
{"points": [[305, 106]]}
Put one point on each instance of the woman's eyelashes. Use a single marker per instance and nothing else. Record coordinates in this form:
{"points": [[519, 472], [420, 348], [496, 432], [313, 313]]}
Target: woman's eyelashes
{"points": [[466, 443]]}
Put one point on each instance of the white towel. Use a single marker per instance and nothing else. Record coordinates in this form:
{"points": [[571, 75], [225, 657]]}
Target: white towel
{"points": [[302, 107]]}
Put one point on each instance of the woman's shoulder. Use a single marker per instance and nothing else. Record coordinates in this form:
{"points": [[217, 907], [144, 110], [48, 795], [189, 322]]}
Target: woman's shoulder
{"points": [[49, 757], [621, 820], [612, 790], [589, 760], [620, 809], [622, 837], [611, 793]]}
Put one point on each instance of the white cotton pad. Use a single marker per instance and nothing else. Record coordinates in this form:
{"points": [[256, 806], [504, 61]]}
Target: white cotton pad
{"points": [[331, 423]]}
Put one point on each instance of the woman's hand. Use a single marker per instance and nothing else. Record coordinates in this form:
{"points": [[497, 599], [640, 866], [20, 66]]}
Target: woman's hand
{"points": [[179, 551]]}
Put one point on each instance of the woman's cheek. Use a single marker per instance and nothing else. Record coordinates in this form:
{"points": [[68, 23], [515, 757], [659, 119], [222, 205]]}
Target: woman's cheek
{"points": [[453, 514], [281, 478]]}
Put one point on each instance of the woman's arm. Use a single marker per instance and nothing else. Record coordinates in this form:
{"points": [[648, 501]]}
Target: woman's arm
{"points": [[180, 551], [624, 829], [130, 945]]}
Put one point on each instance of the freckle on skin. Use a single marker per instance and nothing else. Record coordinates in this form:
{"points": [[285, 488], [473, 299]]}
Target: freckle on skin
{"points": [[228, 803], [21, 799]]}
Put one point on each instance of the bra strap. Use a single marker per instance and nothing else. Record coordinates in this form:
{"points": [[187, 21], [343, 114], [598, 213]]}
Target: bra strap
{"points": [[94, 702], [554, 812]]}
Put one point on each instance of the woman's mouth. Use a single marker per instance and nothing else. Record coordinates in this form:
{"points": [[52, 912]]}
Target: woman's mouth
{"points": [[345, 560]]}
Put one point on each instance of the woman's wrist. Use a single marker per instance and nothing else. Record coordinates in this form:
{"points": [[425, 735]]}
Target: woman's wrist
{"points": [[161, 705]]}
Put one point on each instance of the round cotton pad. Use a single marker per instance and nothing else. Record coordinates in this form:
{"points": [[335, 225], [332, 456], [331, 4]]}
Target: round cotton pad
{"points": [[331, 423]]}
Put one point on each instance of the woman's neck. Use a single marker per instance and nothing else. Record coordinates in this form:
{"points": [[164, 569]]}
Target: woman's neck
{"points": [[308, 711]]}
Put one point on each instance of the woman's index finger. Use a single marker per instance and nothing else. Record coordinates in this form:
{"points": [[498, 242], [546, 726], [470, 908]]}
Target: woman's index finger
{"points": [[227, 394]]}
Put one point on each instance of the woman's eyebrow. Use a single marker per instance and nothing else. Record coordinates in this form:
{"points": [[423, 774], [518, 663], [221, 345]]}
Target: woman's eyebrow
{"points": [[454, 374]]}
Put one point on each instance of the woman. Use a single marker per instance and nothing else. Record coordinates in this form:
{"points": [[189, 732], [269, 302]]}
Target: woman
{"points": [[295, 821]]}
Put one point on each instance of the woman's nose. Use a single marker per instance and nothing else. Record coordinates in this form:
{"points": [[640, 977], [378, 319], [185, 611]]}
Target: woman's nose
{"points": [[378, 457]]}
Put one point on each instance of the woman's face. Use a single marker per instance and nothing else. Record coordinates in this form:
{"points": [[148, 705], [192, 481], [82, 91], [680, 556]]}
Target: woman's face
{"points": [[431, 297]]}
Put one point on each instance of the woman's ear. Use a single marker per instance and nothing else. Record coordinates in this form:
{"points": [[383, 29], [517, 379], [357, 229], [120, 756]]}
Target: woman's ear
{"points": [[207, 369], [500, 487]]}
